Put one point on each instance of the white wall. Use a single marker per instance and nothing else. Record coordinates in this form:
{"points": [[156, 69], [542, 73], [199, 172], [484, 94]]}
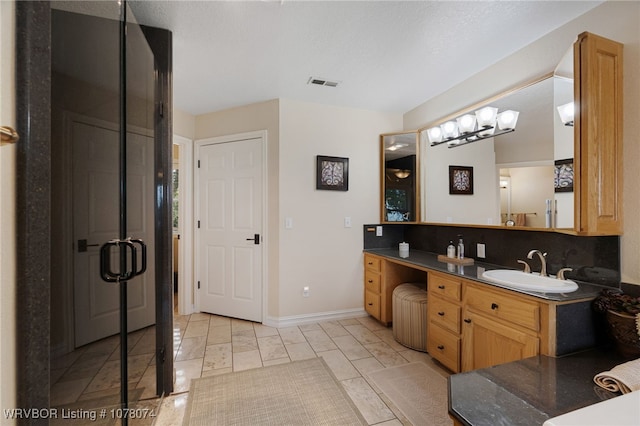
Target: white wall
{"points": [[441, 207], [619, 21], [319, 251], [7, 214]]}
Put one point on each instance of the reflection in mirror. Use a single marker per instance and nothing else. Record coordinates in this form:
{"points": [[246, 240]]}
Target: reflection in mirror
{"points": [[399, 178], [513, 173]]}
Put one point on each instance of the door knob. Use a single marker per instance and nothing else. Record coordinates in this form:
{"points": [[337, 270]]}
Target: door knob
{"points": [[255, 239], [82, 246]]}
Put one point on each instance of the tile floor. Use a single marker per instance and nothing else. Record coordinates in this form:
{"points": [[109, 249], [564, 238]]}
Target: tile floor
{"points": [[209, 344]]}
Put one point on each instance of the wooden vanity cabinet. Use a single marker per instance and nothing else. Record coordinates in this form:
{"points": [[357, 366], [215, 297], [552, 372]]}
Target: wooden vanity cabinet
{"points": [[598, 135], [444, 295], [497, 327], [380, 279]]}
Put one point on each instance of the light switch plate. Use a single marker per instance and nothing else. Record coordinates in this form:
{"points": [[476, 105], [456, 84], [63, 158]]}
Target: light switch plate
{"points": [[480, 250], [378, 231]]}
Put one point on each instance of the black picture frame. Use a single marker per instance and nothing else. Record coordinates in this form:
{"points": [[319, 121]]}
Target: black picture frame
{"points": [[563, 175], [460, 180], [332, 173]]}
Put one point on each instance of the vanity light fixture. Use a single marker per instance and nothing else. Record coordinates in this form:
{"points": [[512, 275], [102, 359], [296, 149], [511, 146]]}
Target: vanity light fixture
{"points": [[473, 127], [566, 112], [402, 174]]}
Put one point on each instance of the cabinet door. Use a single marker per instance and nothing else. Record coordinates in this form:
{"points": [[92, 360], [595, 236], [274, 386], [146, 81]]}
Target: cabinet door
{"points": [[486, 342], [598, 135]]}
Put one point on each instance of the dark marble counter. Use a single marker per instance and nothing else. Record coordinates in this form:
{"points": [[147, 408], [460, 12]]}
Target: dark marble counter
{"points": [[529, 391], [474, 272]]}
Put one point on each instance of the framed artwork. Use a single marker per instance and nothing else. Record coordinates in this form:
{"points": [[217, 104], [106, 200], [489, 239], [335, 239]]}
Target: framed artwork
{"points": [[332, 173], [460, 180], [563, 178]]}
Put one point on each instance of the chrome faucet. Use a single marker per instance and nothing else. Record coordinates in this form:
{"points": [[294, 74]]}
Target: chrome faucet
{"points": [[543, 261]]}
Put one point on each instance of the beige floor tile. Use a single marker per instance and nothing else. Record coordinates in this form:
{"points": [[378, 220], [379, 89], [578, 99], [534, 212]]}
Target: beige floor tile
{"points": [[351, 348], [271, 348], [68, 392], [171, 411], [291, 335], [185, 371], [300, 351], [308, 327], [276, 361], [264, 331], [206, 373], [240, 325], [362, 333], [217, 357], [373, 409], [244, 340], [199, 316], [146, 345], [385, 354], [87, 365], [372, 324], [350, 321], [148, 383], [246, 360], [387, 337], [334, 329], [219, 334], [216, 320], [192, 348], [339, 365], [197, 328], [319, 340]]}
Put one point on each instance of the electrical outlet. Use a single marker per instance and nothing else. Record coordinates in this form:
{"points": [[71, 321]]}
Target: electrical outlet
{"points": [[305, 291], [347, 222], [288, 223], [378, 231], [480, 251]]}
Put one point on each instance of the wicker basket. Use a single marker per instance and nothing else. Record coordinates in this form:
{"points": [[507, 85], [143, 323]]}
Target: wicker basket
{"points": [[624, 330]]}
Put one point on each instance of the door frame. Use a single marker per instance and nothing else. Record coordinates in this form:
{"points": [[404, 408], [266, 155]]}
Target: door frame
{"points": [[259, 134], [185, 224]]}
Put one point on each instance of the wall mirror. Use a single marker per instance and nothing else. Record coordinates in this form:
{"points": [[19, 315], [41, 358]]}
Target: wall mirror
{"points": [[515, 175], [399, 179]]}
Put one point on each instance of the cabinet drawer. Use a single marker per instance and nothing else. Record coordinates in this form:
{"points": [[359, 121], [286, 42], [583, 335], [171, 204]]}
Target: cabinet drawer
{"points": [[444, 346], [446, 314], [372, 281], [444, 286], [505, 307], [372, 304], [372, 263]]}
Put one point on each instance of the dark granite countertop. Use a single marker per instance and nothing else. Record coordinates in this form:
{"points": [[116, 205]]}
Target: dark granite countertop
{"points": [[474, 272], [529, 391]]}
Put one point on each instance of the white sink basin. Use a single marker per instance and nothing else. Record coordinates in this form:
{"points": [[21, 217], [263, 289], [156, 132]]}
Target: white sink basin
{"points": [[526, 281]]}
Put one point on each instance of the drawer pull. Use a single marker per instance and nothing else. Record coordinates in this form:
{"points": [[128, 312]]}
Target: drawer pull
{"points": [[441, 314], [370, 263], [370, 304], [467, 320], [441, 347], [370, 281], [441, 287], [494, 306]]}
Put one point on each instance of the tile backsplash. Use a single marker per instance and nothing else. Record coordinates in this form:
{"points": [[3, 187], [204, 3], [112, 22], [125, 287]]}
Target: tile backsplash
{"points": [[593, 259]]}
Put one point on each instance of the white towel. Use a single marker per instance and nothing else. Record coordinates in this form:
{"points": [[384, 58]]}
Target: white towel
{"points": [[623, 378]]}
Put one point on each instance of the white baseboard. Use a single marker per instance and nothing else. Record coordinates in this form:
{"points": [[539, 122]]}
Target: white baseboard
{"points": [[294, 320]]}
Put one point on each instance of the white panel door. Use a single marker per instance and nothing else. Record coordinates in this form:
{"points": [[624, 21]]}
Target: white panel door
{"points": [[229, 215], [96, 220]]}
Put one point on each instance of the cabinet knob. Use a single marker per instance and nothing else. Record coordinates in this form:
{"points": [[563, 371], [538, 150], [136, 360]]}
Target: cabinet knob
{"points": [[441, 314], [370, 281], [370, 263], [441, 347], [441, 287], [494, 306], [467, 320]]}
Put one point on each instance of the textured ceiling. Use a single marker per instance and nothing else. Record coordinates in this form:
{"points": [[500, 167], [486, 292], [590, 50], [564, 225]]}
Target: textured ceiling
{"points": [[387, 56]]}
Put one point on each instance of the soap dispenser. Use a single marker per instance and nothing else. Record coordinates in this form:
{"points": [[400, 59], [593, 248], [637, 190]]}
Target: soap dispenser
{"points": [[451, 250], [460, 247]]}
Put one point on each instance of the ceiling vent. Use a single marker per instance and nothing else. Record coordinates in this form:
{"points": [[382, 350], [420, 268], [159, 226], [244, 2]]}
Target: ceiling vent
{"points": [[322, 82]]}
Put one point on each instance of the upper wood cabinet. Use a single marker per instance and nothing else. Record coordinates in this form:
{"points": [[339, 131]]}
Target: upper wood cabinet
{"points": [[598, 135]]}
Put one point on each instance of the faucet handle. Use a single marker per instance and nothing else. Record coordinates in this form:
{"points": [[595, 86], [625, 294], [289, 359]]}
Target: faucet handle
{"points": [[560, 274], [527, 268]]}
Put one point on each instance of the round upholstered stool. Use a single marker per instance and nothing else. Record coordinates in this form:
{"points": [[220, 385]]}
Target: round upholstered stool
{"points": [[409, 307]]}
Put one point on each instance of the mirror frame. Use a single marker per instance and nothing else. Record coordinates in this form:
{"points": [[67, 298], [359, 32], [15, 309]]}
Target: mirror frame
{"points": [[417, 193], [477, 105]]}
